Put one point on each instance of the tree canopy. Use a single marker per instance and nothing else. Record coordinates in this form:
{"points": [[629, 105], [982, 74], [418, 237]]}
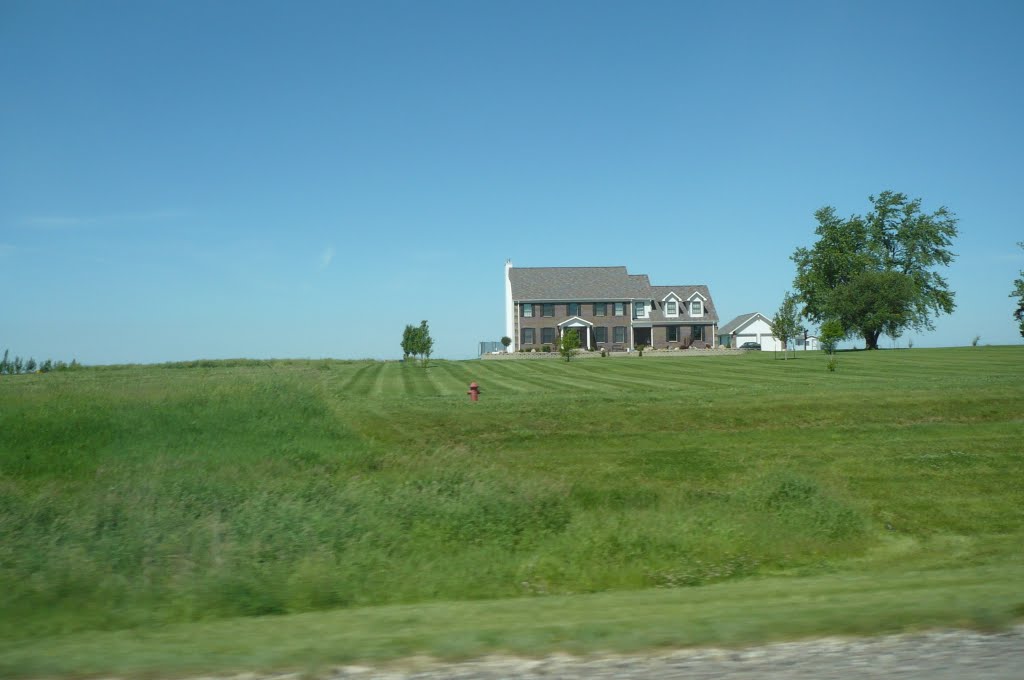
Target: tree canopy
{"points": [[877, 273], [416, 341]]}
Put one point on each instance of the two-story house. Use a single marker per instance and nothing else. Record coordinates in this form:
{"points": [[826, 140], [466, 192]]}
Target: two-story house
{"points": [[609, 308]]}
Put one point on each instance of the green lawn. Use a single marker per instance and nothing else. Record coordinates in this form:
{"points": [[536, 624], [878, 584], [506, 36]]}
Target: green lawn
{"points": [[150, 509]]}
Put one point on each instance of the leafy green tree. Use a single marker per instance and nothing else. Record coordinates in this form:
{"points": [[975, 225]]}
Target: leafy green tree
{"points": [[875, 302], [785, 324], [831, 333], [506, 341], [569, 345], [426, 343], [17, 365], [418, 342], [408, 341], [1018, 292], [5, 364], [30, 365], [894, 238]]}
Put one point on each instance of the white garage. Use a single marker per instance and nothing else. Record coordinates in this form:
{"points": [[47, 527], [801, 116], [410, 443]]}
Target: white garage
{"points": [[753, 327]]}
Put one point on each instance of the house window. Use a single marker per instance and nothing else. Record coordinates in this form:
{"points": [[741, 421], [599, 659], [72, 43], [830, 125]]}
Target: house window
{"points": [[600, 334], [548, 310], [696, 308], [574, 309], [600, 309], [640, 309], [619, 334], [671, 308], [547, 336], [672, 334], [620, 308], [527, 309], [697, 333], [529, 336]]}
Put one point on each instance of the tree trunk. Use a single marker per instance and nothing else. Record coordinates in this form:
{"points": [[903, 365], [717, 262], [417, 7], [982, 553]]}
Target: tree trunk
{"points": [[871, 339]]}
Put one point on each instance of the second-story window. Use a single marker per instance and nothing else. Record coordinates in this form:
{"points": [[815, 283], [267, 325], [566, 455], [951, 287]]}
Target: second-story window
{"points": [[527, 309], [574, 308], [641, 309], [548, 309], [620, 308], [600, 308]]}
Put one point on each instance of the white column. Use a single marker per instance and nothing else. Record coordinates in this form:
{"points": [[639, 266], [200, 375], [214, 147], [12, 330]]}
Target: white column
{"points": [[588, 337], [510, 319]]}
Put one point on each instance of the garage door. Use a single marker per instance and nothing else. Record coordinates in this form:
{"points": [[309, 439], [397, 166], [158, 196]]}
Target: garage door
{"points": [[770, 344], [742, 338]]}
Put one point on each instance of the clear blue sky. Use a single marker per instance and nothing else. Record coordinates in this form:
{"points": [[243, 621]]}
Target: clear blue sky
{"points": [[301, 179]]}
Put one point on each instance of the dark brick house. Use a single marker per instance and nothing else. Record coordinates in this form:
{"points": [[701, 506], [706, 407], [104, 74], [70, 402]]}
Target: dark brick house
{"points": [[607, 306]]}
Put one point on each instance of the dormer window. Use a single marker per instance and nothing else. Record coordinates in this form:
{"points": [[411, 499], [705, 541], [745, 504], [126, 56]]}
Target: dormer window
{"points": [[696, 308], [641, 309], [671, 308]]}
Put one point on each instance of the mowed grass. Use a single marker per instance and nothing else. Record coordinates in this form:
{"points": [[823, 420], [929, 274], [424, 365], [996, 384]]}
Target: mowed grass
{"points": [[181, 497]]}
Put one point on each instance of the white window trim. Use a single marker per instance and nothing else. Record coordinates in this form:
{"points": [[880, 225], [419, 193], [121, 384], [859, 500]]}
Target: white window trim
{"points": [[527, 307], [673, 314], [636, 308], [615, 309], [701, 307]]}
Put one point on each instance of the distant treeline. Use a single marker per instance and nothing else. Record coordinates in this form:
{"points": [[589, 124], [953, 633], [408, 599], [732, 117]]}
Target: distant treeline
{"points": [[17, 365]]}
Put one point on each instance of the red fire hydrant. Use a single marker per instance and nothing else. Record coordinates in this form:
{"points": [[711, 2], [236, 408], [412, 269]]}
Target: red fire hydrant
{"points": [[474, 392]]}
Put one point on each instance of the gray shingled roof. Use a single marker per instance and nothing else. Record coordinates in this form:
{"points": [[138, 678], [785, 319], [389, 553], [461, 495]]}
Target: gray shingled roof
{"points": [[564, 284], [684, 292], [739, 321], [574, 283]]}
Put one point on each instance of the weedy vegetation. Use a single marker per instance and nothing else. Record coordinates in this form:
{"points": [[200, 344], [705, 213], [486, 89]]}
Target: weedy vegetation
{"points": [[134, 498]]}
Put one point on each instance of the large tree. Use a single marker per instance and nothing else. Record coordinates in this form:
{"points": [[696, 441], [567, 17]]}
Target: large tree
{"points": [[1018, 292], [887, 257]]}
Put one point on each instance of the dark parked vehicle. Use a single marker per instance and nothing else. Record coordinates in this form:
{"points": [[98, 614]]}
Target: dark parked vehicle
{"points": [[751, 345]]}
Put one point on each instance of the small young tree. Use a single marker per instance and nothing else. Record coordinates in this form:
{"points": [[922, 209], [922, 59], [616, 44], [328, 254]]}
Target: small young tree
{"points": [[831, 333], [786, 323], [30, 365], [424, 343], [569, 345], [408, 341], [47, 366], [5, 364], [1018, 292], [17, 365], [506, 341]]}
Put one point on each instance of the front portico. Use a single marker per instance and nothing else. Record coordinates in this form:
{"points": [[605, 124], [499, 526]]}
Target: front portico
{"points": [[582, 327]]}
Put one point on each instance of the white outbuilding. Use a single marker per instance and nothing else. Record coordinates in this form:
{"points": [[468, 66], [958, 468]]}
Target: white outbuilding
{"points": [[753, 327]]}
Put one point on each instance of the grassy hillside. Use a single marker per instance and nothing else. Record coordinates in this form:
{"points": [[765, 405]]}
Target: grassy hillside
{"points": [[133, 496]]}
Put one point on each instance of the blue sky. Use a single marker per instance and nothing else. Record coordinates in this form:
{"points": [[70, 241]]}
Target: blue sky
{"points": [[301, 179]]}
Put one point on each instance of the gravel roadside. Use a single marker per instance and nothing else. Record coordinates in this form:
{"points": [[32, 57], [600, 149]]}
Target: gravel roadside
{"points": [[938, 655]]}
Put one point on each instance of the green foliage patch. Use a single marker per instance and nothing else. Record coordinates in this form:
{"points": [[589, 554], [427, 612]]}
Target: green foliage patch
{"points": [[134, 496]]}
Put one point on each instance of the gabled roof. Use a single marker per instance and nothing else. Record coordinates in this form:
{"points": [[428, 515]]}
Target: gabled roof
{"points": [[576, 283], [684, 293], [741, 321], [595, 284]]}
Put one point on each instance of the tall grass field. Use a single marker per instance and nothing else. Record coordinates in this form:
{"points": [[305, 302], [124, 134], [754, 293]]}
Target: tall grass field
{"points": [[133, 498]]}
